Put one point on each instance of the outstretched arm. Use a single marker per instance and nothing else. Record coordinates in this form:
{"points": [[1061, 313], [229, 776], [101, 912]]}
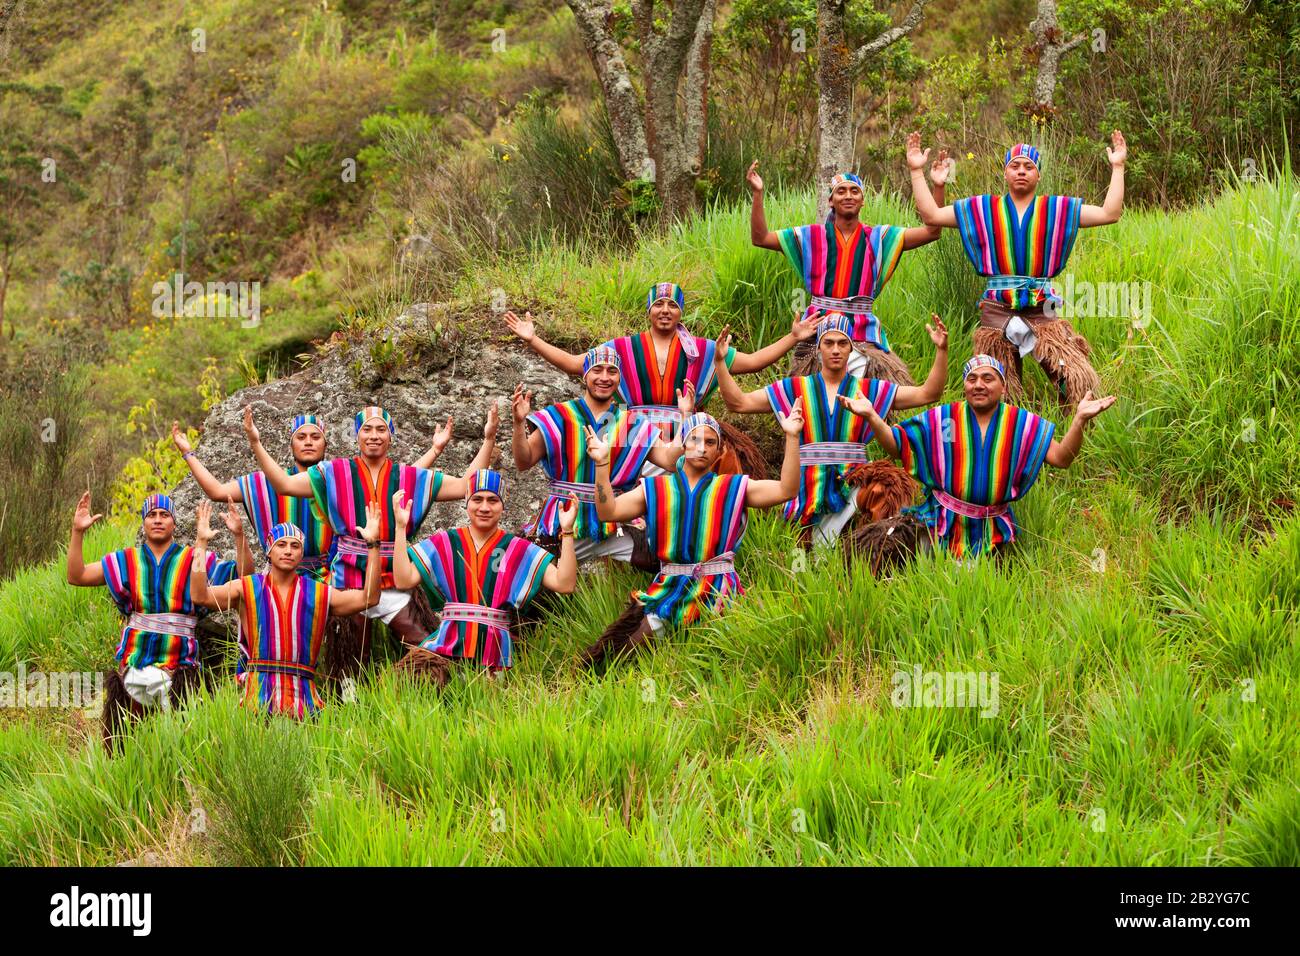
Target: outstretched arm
{"points": [[929, 391], [1061, 454], [214, 489], [564, 361], [1113, 206], [609, 506], [235, 525], [884, 434], [439, 444], [765, 494], [223, 596], [932, 214], [804, 327], [759, 234], [297, 485], [404, 573], [939, 172], [351, 601], [483, 458], [749, 403], [527, 449], [78, 573], [562, 575]]}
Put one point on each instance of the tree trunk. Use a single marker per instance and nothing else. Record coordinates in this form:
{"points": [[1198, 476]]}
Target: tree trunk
{"points": [[834, 99], [621, 101], [1051, 46]]}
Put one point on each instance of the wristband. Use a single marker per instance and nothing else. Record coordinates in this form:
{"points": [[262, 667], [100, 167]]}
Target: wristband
{"points": [[188, 454], [566, 534]]}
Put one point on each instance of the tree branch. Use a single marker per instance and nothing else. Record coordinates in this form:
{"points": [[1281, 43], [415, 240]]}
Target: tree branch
{"points": [[892, 35]]}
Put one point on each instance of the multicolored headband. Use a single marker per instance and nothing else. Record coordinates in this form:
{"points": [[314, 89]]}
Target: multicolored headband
{"points": [[158, 502], [700, 420], [839, 178], [373, 411], [671, 290], [485, 479], [284, 530], [835, 322], [301, 421], [600, 355], [1023, 151], [983, 361]]}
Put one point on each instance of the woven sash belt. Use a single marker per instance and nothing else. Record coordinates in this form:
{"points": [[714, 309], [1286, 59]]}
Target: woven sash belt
{"points": [[724, 563], [178, 625], [965, 508], [857, 305], [832, 453], [582, 490], [355, 546], [658, 413], [314, 563], [287, 668], [475, 614], [1016, 283]]}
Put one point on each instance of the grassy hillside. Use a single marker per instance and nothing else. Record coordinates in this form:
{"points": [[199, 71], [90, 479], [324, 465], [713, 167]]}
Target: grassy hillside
{"points": [[1145, 638]]}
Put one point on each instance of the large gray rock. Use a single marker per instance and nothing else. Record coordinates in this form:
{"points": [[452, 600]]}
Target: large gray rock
{"points": [[426, 365]]}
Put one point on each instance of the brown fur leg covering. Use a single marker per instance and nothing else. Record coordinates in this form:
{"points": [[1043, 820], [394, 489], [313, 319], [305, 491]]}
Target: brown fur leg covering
{"points": [[421, 611], [884, 365], [993, 342], [426, 665], [185, 681], [643, 555], [742, 456], [616, 636], [884, 489], [120, 711], [886, 545], [1064, 362], [804, 358], [347, 647]]}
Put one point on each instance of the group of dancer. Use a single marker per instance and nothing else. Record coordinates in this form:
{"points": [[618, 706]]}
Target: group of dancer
{"points": [[636, 470]]}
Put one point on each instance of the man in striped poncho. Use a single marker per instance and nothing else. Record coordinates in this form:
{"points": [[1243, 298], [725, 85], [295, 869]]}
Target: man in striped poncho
{"points": [[158, 651], [973, 458], [695, 520], [1018, 242]]}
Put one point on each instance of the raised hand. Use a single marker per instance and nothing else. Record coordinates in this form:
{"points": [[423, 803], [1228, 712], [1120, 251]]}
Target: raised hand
{"points": [[753, 178], [858, 406], [234, 523], [493, 421], [597, 448], [179, 440], [401, 514], [792, 424], [942, 168], [1117, 151], [805, 327], [686, 398], [442, 436], [569, 513], [203, 524], [521, 404], [249, 428], [374, 520], [82, 519], [916, 157], [938, 331], [724, 346], [1089, 407], [521, 327]]}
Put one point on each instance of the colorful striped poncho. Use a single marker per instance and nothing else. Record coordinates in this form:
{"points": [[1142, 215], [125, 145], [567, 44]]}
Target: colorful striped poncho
{"points": [[821, 489], [643, 387], [836, 269], [1000, 242], [563, 430], [687, 526], [139, 583], [341, 489], [266, 509], [942, 448], [505, 573], [279, 644]]}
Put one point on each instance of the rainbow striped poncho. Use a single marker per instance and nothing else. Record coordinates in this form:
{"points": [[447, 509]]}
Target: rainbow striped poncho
{"points": [[642, 386], [279, 644], [563, 429], [836, 269], [1000, 242], [266, 509], [998, 468], [137, 582], [506, 572], [821, 489], [341, 489], [687, 526]]}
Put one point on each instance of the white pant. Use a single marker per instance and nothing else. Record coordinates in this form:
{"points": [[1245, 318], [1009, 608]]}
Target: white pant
{"points": [[857, 363], [149, 686], [616, 546], [391, 601], [830, 526]]}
